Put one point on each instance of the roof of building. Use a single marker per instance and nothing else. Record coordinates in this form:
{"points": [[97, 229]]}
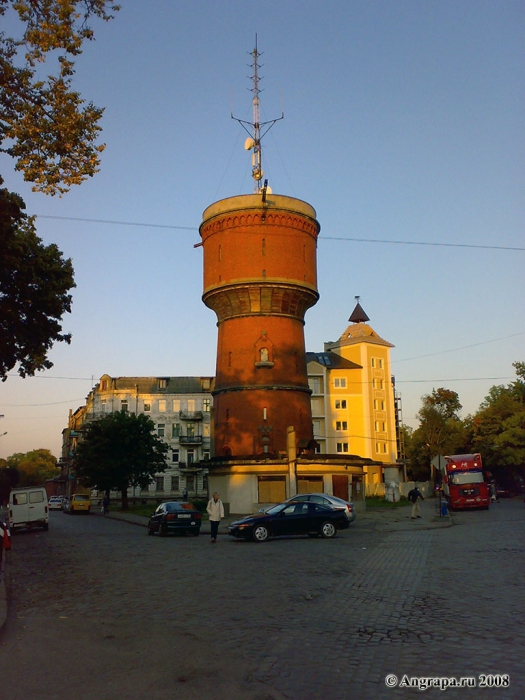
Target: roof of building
{"points": [[331, 360], [153, 385], [358, 315]]}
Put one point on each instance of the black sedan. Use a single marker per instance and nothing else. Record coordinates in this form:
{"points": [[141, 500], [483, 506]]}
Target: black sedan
{"points": [[174, 517], [291, 518]]}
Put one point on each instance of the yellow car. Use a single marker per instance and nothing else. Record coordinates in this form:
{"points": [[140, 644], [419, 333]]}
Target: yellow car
{"points": [[79, 503]]}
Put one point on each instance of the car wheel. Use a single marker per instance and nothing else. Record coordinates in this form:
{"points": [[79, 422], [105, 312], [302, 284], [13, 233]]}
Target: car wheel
{"points": [[260, 533], [151, 531], [328, 530], [163, 530]]}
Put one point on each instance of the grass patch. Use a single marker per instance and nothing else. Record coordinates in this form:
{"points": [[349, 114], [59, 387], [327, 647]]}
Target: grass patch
{"points": [[381, 502]]}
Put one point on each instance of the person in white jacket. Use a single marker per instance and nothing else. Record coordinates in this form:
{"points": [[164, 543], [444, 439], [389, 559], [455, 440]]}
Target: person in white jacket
{"points": [[215, 510]]}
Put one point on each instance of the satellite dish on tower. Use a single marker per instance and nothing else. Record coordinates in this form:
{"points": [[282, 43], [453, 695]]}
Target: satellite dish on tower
{"points": [[249, 144]]}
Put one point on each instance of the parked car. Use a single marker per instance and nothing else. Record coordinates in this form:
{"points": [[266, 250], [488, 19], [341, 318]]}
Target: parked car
{"points": [[55, 503], [28, 508], [291, 518], [173, 516], [77, 503], [324, 499]]}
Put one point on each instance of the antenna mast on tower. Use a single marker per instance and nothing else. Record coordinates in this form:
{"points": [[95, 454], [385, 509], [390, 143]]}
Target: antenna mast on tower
{"points": [[253, 142]]}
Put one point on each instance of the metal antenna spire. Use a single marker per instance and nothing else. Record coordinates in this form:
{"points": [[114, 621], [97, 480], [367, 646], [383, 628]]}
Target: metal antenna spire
{"points": [[253, 143]]}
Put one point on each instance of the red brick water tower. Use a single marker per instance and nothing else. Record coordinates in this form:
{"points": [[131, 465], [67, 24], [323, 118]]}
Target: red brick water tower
{"points": [[260, 277]]}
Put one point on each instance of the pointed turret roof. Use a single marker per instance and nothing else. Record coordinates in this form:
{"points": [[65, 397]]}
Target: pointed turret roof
{"points": [[358, 315]]}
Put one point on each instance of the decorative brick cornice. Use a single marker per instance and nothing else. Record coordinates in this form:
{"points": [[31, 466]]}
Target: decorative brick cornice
{"points": [[260, 299]]}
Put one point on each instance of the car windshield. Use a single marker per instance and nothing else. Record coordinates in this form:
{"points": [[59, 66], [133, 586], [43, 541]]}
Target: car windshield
{"points": [[277, 509], [459, 478]]}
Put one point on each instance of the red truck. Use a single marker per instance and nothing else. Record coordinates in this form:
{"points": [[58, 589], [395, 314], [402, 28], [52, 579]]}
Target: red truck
{"points": [[464, 484]]}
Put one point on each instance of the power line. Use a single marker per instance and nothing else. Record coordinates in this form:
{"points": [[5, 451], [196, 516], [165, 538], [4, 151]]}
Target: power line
{"points": [[463, 347], [325, 238]]}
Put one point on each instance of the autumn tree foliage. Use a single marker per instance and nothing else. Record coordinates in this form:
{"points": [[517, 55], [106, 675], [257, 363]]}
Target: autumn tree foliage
{"points": [[45, 125]]}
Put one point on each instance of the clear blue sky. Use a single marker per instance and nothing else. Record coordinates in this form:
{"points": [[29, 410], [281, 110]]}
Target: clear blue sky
{"points": [[403, 122]]}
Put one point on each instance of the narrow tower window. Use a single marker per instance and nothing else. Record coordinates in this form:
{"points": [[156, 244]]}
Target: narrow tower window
{"points": [[229, 359], [220, 253], [264, 273], [265, 413]]}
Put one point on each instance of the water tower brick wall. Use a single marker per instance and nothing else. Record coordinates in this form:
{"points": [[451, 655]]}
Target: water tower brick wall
{"points": [[260, 278]]}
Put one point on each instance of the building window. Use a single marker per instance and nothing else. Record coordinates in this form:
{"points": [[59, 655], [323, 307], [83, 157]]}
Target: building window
{"points": [[161, 429], [206, 405], [162, 405], [175, 483], [190, 482], [380, 363], [103, 405], [190, 456], [342, 447], [340, 403], [176, 405], [175, 430], [124, 406], [190, 430], [373, 362], [382, 405], [265, 413], [159, 483], [206, 430], [206, 456], [316, 384], [163, 383], [175, 456], [147, 407], [340, 383], [341, 425], [191, 405], [104, 385]]}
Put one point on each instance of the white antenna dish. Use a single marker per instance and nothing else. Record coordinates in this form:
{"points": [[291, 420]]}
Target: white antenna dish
{"points": [[249, 144]]}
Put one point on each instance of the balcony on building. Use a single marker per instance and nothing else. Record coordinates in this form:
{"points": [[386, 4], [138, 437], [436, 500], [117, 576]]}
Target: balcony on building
{"points": [[191, 415], [190, 439]]}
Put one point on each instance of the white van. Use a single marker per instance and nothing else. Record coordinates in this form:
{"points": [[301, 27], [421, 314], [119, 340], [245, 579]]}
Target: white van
{"points": [[28, 508]]}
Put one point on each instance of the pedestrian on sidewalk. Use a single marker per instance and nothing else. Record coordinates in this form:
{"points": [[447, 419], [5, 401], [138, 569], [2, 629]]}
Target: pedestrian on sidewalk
{"points": [[105, 505], [413, 496], [215, 511]]}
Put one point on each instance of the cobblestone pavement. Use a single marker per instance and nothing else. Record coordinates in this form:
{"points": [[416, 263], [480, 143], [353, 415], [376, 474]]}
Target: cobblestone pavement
{"points": [[299, 619]]}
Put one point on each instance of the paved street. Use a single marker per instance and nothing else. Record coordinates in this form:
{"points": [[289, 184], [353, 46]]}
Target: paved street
{"points": [[99, 610]]}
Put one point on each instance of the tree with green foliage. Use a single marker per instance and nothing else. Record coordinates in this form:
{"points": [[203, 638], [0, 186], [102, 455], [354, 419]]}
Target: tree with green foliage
{"points": [[440, 431], [499, 428], [34, 468], [44, 124], [118, 451], [34, 291]]}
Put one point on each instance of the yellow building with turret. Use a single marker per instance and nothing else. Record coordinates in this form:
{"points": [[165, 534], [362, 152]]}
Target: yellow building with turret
{"points": [[353, 399]]}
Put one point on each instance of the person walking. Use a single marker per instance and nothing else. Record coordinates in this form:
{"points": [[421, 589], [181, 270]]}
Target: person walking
{"points": [[215, 511], [413, 496], [105, 505]]}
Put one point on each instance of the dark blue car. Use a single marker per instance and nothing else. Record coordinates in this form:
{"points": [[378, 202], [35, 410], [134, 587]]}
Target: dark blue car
{"points": [[291, 518], [175, 517]]}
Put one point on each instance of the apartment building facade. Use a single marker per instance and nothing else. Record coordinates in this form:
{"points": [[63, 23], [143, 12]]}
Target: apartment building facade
{"points": [[180, 408], [353, 398]]}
